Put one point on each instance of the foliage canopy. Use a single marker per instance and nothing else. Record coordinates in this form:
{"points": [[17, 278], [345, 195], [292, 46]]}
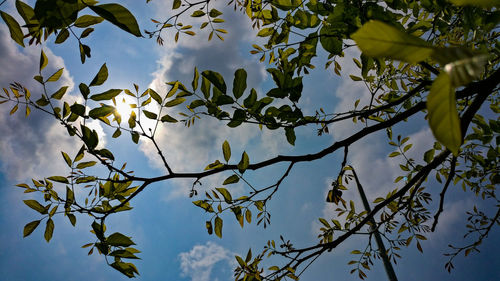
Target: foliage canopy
{"points": [[432, 56]]}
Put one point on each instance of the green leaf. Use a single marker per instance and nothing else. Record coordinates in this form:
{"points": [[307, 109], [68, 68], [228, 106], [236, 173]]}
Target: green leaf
{"points": [[176, 4], [467, 68], [218, 227], [197, 14], [102, 111], [89, 137], [231, 179], [87, 20], [244, 162], [60, 93], [214, 13], [168, 118], [56, 75], [329, 41], [208, 225], [70, 198], [174, 102], [84, 165], [205, 87], [49, 230], [14, 28], [478, 3], [290, 135], [109, 94], [66, 158], [33, 204], [248, 216], [155, 96], [241, 262], [117, 239], [135, 137], [216, 80], [239, 83], [225, 194], [62, 36], [100, 77], [98, 230], [78, 109], [196, 77], [72, 219], [43, 60], [128, 269], [378, 39], [226, 150], [30, 227], [429, 155], [150, 115], [443, 114], [84, 90], [119, 16], [59, 179], [123, 254]]}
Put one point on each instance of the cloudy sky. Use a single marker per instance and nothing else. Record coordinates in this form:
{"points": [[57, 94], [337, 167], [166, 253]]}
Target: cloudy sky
{"points": [[165, 225]]}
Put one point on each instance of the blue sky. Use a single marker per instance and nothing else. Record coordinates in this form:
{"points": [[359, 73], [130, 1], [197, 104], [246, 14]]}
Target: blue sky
{"points": [[165, 225]]}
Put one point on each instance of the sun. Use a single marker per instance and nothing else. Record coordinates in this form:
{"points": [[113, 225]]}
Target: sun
{"points": [[123, 108]]}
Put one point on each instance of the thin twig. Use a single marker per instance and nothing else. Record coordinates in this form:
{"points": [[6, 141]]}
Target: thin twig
{"points": [[443, 192]]}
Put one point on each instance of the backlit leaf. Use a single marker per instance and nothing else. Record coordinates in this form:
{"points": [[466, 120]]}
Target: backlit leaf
{"points": [[14, 28], [378, 39], [56, 75], [102, 111], [225, 194], [59, 179], [226, 150], [84, 165], [176, 4], [174, 102], [478, 3], [231, 179], [218, 227], [443, 114], [87, 20], [109, 94], [60, 93]]}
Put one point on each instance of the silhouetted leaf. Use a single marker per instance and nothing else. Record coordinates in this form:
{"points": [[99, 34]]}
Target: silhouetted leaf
{"points": [[30, 227], [119, 16], [49, 230], [14, 28], [118, 239], [100, 77]]}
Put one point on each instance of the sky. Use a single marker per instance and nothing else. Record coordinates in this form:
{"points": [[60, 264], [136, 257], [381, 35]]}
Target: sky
{"points": [[165, 225]]}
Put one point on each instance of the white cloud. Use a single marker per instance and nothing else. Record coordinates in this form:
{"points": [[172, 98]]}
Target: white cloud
{"points": [[369, 156], [30, 147], [199, 262], [191, 149]]}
